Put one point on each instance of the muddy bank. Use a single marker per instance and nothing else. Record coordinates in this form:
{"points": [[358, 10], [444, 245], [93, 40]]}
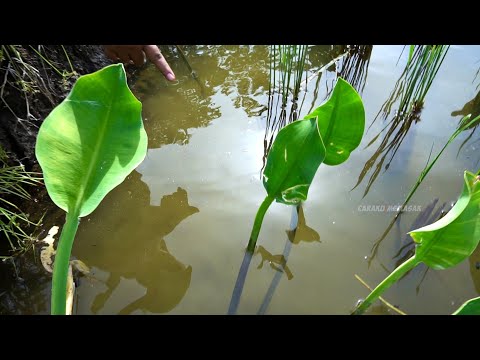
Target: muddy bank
{"points": [[31, 86], [22, 112]]}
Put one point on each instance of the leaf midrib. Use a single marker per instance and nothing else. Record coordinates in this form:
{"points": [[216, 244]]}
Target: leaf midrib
{"points": [[96, 153], [331, 124]]}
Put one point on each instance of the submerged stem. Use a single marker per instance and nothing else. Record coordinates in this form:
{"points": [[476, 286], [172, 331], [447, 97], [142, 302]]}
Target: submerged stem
{"points": [[258, 223], [237, 290], [62, 260], [385, 284]]}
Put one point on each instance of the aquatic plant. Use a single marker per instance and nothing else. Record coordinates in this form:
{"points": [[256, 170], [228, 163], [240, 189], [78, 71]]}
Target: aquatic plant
{"points": [[443, 244], [410, 91], [327, 135], [465, 123], [13, 220], [87, 146]]}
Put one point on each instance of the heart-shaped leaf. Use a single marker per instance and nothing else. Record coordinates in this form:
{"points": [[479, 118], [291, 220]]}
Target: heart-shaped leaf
{"points": [[293, 161], [86, 146], [454, 237], [91, 141], [341, 121], [328, 134], [443, 244]]}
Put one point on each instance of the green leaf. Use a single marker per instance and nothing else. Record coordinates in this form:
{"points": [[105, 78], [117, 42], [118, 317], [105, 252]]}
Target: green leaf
{"points": [[470, 307], [293, 160], [454, 237], [341, 121], [91, 141], [443, 244], [328, 134]]}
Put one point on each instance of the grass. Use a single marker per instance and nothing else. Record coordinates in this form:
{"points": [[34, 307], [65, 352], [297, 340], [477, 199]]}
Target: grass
{"points": [[13, 221], [19, 74]]}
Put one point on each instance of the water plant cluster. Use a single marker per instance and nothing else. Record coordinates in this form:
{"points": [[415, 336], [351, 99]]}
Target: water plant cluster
{"points": [[102, 139]]}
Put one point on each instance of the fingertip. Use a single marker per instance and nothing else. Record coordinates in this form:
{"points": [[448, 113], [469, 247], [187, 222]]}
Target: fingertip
{"points": [[170, 76]]}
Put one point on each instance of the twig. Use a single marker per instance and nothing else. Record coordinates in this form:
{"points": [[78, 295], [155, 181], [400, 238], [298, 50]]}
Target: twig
{"points": [[380, 298]]}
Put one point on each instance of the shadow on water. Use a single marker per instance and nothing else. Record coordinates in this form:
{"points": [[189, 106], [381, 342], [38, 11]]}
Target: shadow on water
{"points": [[135, 247], [302, 232], [298, 232], [410, 91], [471, 107]]}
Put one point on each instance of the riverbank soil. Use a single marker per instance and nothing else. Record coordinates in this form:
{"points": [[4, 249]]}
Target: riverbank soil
{"points": [[33, 80]]}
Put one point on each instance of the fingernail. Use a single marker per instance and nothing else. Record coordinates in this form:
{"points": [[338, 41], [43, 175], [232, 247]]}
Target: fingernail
{"points": [[170, 76]]}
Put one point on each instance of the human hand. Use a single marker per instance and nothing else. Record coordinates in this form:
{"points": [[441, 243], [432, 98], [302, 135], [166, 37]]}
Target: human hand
{"points": [[138, 55]]}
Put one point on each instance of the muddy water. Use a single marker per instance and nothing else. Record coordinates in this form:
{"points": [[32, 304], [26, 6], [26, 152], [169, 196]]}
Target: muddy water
{"points": [[171, 238]]}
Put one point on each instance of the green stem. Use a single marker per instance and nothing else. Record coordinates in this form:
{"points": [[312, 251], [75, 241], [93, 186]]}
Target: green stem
{"points": [[68, 58], [62, 260], [386, 283], [46, 60], [258, 223]]}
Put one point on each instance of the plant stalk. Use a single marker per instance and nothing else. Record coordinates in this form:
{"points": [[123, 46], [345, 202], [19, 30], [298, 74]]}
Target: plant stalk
{"points": [[60, 267], [385, 284], [258, 223], [237, 290]]}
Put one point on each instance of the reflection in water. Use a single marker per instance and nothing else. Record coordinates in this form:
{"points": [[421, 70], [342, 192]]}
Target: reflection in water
{"points": [[472, 107], [410, 89], [286, 71], [305, 234], [354, 67], [299, 231], [226, 68], [135, 247]]}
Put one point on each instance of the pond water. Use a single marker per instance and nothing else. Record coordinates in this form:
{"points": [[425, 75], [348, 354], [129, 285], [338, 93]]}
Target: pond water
{"points": [[171, 238]]}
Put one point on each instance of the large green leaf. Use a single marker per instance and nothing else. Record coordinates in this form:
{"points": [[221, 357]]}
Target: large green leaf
{"points": [[341, 121], [293, 161], [328, 134], [91, 141], [470, 307], [454, 237]]}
